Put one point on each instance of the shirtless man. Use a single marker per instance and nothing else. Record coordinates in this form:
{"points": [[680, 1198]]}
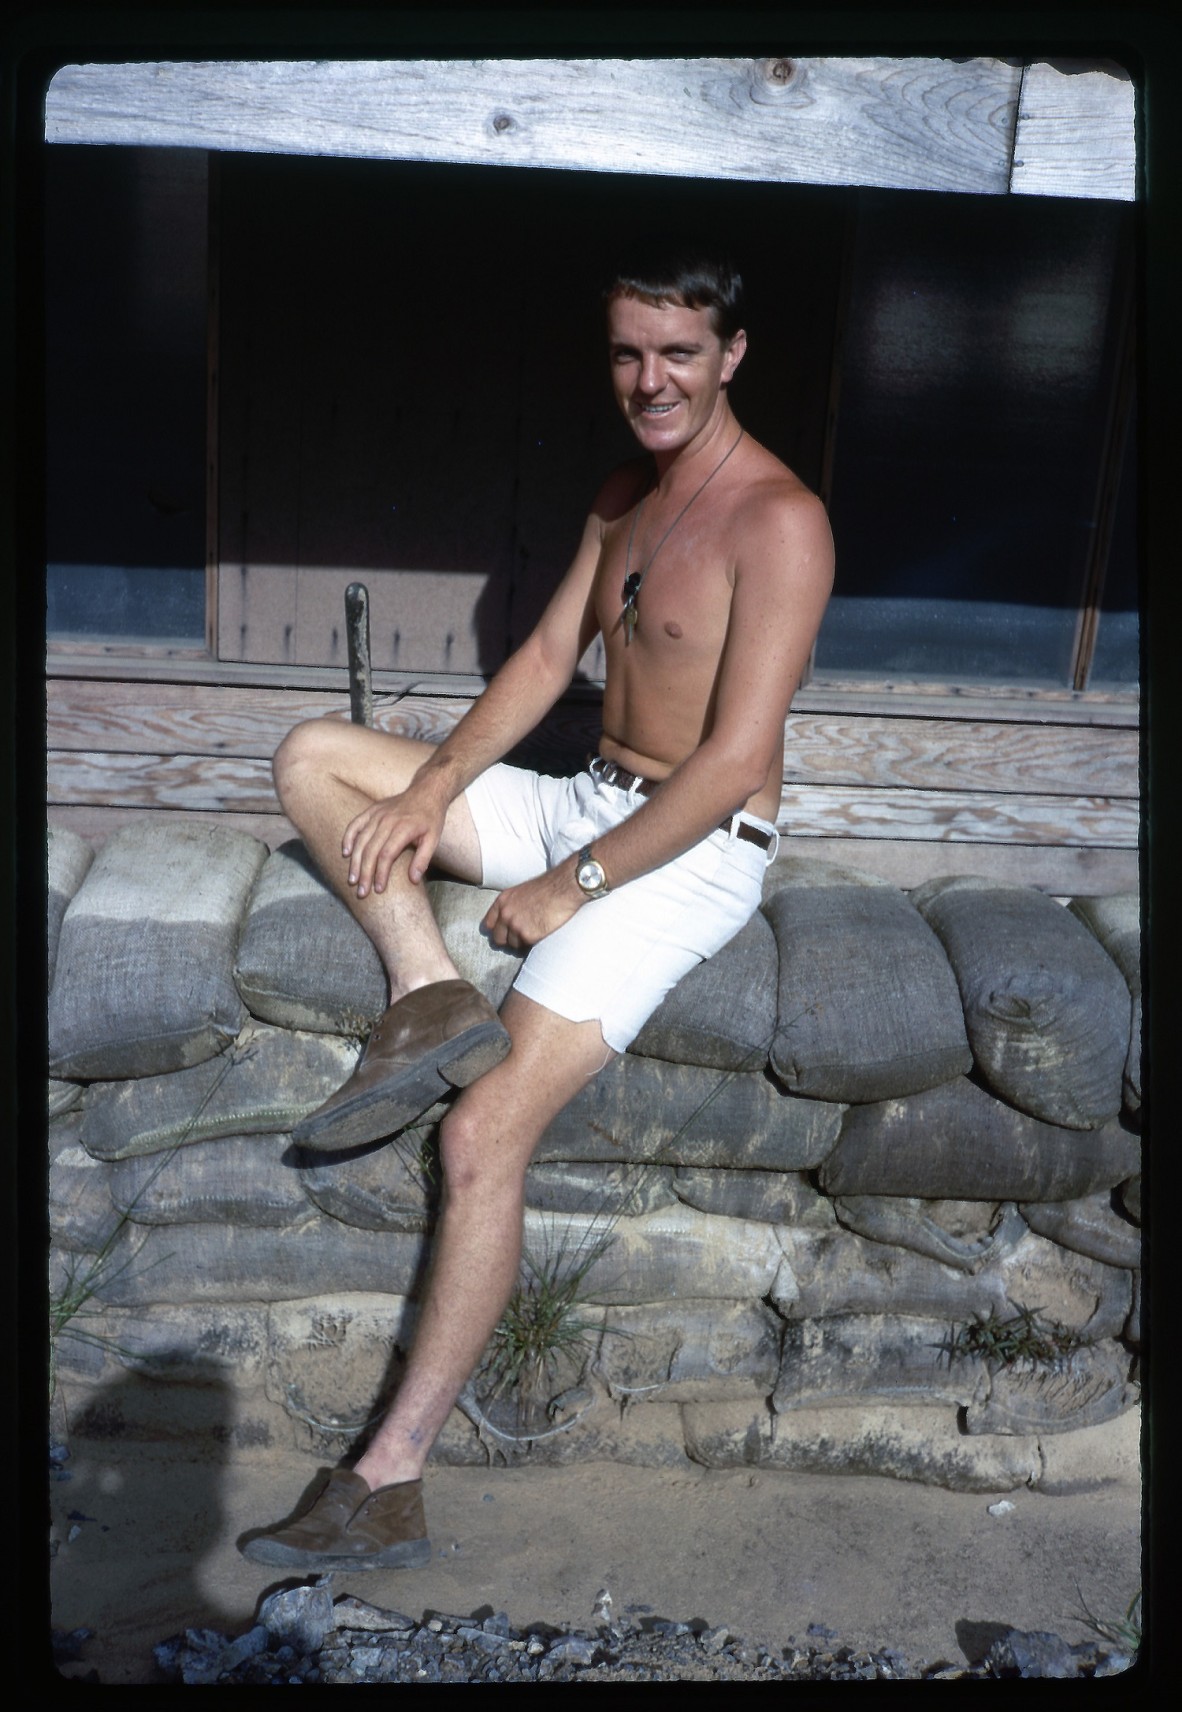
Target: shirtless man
{"points": [[705, 566]]}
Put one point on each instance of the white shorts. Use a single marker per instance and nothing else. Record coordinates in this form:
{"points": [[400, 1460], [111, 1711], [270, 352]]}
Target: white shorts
{"points": [[617, 957]]}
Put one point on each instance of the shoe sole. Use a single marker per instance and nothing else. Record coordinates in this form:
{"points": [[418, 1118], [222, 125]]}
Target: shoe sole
{"points": [[398, 1102], [404, 1554]]}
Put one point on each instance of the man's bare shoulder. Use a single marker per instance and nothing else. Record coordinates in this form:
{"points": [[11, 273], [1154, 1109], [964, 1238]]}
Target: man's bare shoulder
{"points": [[778, 518]]}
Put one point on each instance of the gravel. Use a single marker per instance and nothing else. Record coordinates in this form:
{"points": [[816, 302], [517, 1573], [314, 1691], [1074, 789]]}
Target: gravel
{"points": [[303, 1635]]}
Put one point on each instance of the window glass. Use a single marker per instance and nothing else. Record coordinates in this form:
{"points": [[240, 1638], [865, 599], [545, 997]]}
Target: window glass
{"points": [[975, 381], [125, 322]]}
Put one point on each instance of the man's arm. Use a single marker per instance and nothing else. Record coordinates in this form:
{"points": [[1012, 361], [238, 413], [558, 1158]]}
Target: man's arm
{"points": [[783, 575], [521, 693]]}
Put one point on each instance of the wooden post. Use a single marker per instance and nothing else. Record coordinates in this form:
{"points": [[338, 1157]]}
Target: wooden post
{"points": [[357, 631]]}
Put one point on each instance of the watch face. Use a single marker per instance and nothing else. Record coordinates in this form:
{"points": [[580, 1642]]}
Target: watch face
{"points": [[590, 875]]}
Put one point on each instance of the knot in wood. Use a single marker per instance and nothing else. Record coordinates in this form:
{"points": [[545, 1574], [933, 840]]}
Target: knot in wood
{"points": [[503, 122], [781, 70]]}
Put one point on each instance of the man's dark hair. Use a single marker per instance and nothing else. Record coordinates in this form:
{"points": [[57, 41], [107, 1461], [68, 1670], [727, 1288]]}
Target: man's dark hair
{"points": [[692, 280]]}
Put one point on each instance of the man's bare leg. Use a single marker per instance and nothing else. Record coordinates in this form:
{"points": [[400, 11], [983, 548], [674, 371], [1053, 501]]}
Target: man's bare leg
{"points": [[326, 772], [486, 1142], [439, 1031]]}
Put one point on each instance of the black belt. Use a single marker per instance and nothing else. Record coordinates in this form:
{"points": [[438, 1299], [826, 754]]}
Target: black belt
{"points": [[611, 773]]}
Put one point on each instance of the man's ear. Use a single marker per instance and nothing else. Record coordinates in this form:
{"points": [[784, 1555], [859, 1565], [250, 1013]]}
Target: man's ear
{"points": [[735, 352]]}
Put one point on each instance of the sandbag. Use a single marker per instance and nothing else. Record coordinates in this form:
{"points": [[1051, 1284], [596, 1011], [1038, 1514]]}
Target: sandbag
{"points": [[268, 1081], [82, 1215], [671, 1253], [681, 1114], [686, 1350], [1090, 1225], [723, 1013], [68, 858], [1046, 1009], [562, 1187], [773, 1197], [1116, 923], [238, 1179], [958, 1142], [964, 1234], [303, 961], [871, 1358], [459, 910], [390, 1188], [867, 1007], [923, 1444], [1084, 1388], [261, 1263], [826, 1273], [144, 980]]}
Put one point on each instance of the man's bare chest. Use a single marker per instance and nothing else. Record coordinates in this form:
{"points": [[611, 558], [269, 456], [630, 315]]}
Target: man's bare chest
{"points": [[671, 594]]}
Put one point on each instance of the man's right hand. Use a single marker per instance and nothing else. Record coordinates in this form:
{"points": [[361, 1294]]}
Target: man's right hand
{"points": [[376, 838]]}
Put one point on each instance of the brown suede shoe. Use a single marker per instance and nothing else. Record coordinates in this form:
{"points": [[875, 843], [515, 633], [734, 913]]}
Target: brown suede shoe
{"points": [[440, 1036], [349, 1527]]}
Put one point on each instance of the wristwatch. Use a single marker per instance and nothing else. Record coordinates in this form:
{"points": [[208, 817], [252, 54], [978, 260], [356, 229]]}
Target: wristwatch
{"points": [[589, 874]]}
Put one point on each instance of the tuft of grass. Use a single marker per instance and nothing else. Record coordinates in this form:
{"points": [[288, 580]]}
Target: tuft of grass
{"points": [[1123, 1632], [545, 1327], [1022, 1337]]}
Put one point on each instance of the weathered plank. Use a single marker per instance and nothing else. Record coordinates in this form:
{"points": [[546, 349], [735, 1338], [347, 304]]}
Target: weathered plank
{"points": [[95, 822], [1056, 869], [931, 124], [974, 817], [243, 784], [109, 661], [1075, 134], [835, 749]]}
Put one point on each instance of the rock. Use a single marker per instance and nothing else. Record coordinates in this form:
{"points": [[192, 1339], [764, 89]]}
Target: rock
{"points": [[299, 1617]]}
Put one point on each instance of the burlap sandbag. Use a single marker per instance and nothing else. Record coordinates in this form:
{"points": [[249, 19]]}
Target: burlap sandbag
{"points": [[912, 1442], [261, 1263], [303, 961], [958, 1142], [773, 1197], [659, 1256], [82, 1215], [1116, 923], [599, 1188], [68, 858], [267, 1081], [868, 1006], [144, 981], [680, 1114], [390, 1188], [1046, 1008], [688, 1350], [238, 1180], [835, 1272], [723, 1013], [1091, 1225]]}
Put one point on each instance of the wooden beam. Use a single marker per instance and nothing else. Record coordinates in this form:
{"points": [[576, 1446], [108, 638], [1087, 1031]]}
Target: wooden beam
{"points": [[1056, 869], [243, 785], [1075, 134], [832, 749], [924, 124]]}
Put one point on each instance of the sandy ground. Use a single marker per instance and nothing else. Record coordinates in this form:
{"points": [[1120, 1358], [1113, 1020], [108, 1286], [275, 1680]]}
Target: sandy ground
{"points": [[880, 1562]]}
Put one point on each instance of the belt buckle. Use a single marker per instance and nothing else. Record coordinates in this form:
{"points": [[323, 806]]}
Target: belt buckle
{"points": [[609, 771]]}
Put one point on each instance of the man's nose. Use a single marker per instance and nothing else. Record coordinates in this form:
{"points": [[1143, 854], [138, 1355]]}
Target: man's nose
{"points": [[652, 374]]}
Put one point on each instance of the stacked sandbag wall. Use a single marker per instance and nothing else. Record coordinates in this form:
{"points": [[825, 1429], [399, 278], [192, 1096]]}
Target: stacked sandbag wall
{"points": [[862, 1141]]}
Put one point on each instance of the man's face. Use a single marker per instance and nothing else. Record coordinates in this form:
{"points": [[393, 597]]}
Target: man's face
{"points": [[668, 369]]}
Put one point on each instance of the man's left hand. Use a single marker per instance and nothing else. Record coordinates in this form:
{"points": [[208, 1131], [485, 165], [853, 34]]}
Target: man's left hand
{"points": [[523, 914]]}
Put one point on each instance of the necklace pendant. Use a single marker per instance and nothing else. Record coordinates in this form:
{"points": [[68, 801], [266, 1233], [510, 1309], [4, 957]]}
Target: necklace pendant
{"points": [[630, 618]]}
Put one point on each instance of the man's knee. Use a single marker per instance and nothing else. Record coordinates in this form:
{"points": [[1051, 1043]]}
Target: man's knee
{"points": [[307, 744], [481, 1151]]}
